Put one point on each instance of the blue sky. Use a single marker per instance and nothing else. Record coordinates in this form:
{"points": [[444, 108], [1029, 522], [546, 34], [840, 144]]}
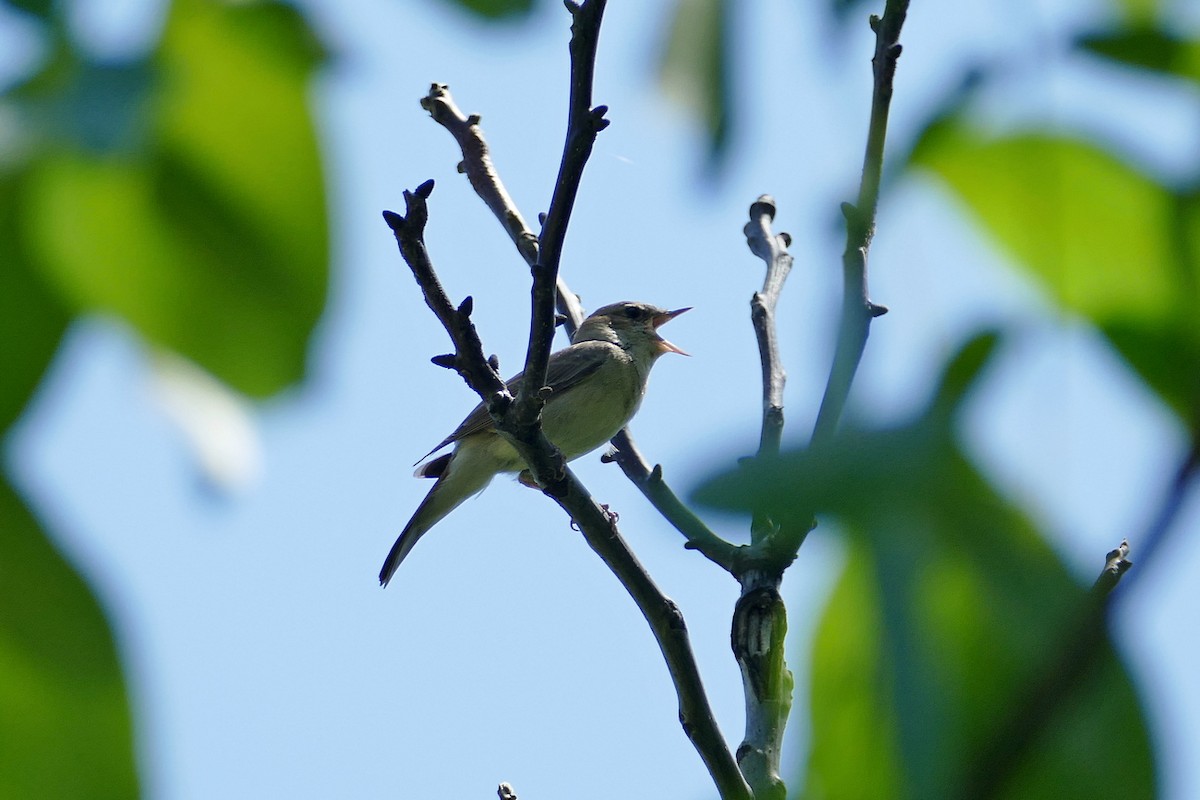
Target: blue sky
{"points": [[264, 659]]}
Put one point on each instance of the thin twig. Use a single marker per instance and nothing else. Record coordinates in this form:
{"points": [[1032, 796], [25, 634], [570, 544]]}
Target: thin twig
{"points": [[477, 165], [650, 483], [772, 250], [857, 308]]}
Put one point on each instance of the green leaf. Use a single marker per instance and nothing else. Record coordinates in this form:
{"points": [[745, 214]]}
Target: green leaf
{"points": [[950, 609], [1091, 228], [1148, 48], [31, 319], [64, 715], [695, 70], [38, 8], [211, 238], [1166, 356]]}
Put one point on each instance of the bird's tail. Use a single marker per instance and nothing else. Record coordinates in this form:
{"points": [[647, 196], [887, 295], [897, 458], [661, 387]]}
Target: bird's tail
{"points": [[457, 482]]}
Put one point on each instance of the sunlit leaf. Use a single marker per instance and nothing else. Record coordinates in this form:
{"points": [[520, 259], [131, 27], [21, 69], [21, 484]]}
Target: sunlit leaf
{"points": [[1148, 48], [695, 67], [1091, 228], [950, 609], [211, 238], [64, 715]]}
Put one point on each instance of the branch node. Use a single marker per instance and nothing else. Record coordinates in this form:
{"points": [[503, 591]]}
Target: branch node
{"points": [[874, 21], [876, 310], [561, 319], [425, 189], [786, 238], [494, 362], [765, 204], [446, 360], [609, 456], [656, 474], [474, 119], [466, 306]]}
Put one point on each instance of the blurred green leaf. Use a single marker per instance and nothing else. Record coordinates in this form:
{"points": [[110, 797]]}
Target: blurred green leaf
{"points": [[950, 608], [64, 716], [211, 238], [31, 318], [695, 70], [1148, 48], [39, 8], [1091, 228], [1166, 355], [1108, 242], [495, 9]]}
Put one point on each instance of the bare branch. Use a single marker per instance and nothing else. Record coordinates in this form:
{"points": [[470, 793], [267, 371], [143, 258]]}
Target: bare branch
{"points": [[583, 124], [650, 483], [772, 250], [857, 308], [478, 167]]}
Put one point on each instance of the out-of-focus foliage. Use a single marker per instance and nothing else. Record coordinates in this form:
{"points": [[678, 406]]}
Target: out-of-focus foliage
{"points": [[950, 607], [1111, 244], [695, 67], [182, 193], [65, 717]]}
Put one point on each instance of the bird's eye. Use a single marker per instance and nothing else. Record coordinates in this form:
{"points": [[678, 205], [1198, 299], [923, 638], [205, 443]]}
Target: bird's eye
{"points": [[633, 312]]}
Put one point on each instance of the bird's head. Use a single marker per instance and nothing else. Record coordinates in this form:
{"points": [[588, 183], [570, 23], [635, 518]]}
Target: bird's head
{"points": [[632, 326]]}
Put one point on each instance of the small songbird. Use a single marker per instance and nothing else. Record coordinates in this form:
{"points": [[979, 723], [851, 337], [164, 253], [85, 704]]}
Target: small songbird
{"points": [[597, 384]]}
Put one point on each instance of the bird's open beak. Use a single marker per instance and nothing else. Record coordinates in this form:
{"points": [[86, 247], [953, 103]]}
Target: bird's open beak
{"points": [[662, 319]]}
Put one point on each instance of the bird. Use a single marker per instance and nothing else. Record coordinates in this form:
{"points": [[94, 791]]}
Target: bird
{"points": [[596, 386]]}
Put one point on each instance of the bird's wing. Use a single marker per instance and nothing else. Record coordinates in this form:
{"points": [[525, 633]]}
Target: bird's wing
{"points": [[567, 368]]}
